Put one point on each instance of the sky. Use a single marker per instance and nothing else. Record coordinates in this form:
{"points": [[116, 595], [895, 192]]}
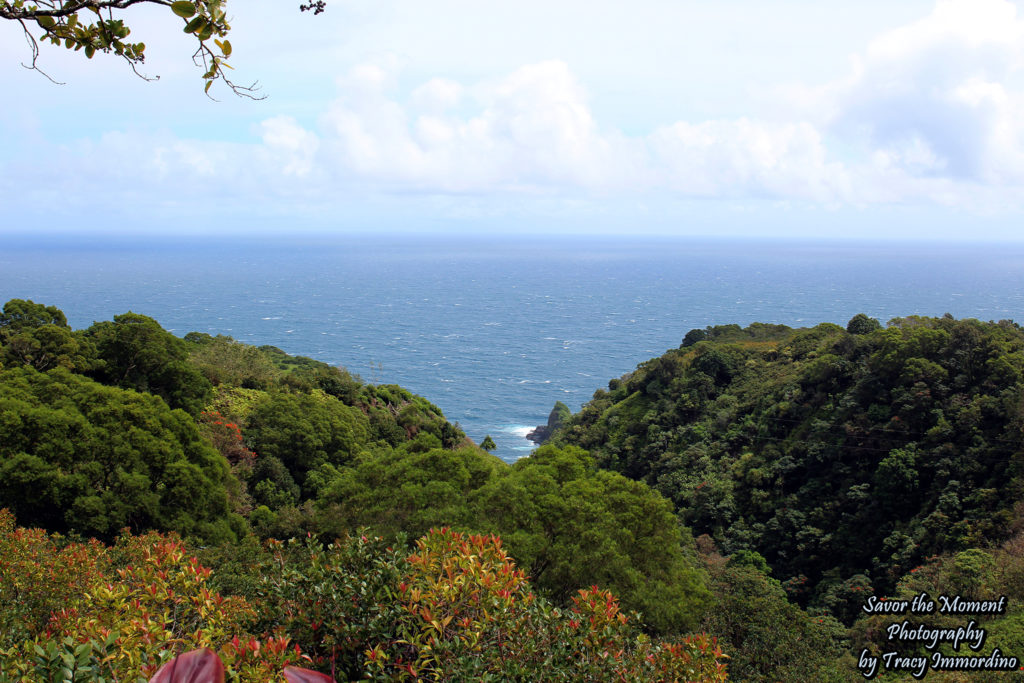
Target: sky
{"points": [[788, 119]]}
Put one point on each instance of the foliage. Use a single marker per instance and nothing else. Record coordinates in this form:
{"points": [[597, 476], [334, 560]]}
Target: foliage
{"points": [[568, 524], [832, 454], [20, 314], [735, 333], [91, 26], [298, 414], [222, 360], [469, 614], [394, 490], [123, 612], [38, 336], [47, 347], [303, 432], [337, 601], [456, 609], [39, 575], [204, 666], [397, 415], [193, 666], [975, 574], [77, 455], [571, 525], [135, 352], [837, 462], [226, 437], [769, 638], [306, 374], [861, 324]]}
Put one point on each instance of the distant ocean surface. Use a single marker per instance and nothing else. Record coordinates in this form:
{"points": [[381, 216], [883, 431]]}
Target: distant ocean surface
{"points": [[494, 331]]}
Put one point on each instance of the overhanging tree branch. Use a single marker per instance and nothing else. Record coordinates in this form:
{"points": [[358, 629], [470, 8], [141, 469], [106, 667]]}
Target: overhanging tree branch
{"points": [[91, 26]]}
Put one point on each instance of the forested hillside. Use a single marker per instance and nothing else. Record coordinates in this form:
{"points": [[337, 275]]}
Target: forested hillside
{"points": [[123, 426], [845, 457], [728, 506]]}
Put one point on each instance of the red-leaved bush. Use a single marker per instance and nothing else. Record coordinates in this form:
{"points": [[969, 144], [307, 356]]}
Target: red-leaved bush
{"points": [[456, 609]]}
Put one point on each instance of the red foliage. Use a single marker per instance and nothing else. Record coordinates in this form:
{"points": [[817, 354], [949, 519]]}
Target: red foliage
{"points": [[197, 666]]}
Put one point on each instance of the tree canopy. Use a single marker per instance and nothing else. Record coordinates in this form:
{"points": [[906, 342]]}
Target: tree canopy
{"points": [[135, 352], [842, 456], [79, 456], [269, 446]]}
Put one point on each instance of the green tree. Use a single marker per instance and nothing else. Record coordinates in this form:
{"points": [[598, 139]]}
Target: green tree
{"points": [[21, 314], [79, 456], [831, 454], [767, 637], [222, 360], [38, 336], [395, 490], [571, 526], [862, 324], [137, 353], [488, 444], [305, 431], [693, 336]]}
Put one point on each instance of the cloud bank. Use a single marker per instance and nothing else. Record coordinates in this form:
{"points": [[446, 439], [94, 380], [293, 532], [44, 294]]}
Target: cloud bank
{"points": [[932, 112]]}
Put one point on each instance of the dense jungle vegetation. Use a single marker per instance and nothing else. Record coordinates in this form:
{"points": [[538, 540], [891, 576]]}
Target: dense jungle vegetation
{"points": [[725, 508], [853, 462]]}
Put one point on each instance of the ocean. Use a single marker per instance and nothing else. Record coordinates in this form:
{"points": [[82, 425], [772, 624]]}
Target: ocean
{"points": [[495, 330]]}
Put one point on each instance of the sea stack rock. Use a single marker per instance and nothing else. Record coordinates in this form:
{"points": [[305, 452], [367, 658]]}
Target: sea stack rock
{"points": [[559, 414]]}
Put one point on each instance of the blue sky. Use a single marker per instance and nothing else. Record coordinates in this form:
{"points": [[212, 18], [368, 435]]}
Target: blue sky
{"points": [[784, 119]]}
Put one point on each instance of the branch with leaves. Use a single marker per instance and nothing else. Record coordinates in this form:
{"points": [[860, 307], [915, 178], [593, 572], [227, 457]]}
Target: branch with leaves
{"points": [[96, 26]]}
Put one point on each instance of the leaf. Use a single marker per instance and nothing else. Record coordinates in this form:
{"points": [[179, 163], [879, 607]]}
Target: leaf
{"points": [[197, 666], [294, 674], [46, 22], [195, 24], [226, 48], [183, 9], [208, 84]]}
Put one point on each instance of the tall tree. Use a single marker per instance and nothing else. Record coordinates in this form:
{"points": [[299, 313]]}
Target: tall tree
{"points": [[137, 353]]}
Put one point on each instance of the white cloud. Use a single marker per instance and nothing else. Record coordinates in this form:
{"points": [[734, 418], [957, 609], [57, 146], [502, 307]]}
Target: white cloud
{"points": [[530, 131], [746, 158], [437, 95], [290, 145], [939, 99], [534, 131], [929, 113]]}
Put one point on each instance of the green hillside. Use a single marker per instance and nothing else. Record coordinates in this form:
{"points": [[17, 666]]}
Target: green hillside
{"points": [[845, 457], [724, 510]]}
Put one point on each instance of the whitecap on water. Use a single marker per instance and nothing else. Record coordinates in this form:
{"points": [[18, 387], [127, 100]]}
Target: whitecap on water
{"points": [[517, 430]]}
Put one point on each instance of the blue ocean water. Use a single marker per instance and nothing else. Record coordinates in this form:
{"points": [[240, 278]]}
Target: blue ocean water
{"points": [[496, 330]]}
